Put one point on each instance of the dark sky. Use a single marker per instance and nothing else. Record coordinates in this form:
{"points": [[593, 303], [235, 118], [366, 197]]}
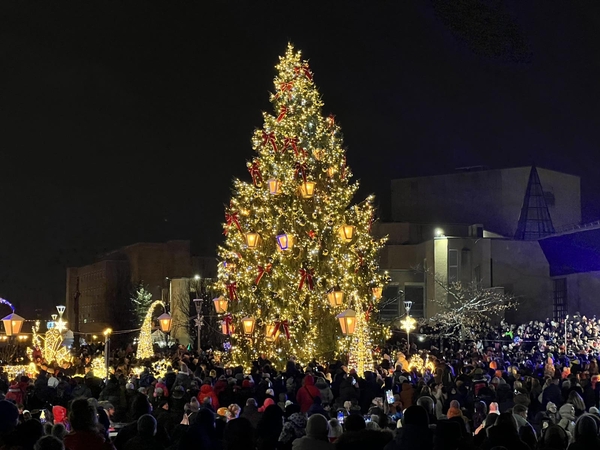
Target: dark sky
{"points": [[126, 121]]}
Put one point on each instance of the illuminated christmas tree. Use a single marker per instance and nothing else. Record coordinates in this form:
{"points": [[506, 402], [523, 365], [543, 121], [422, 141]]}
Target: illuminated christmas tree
{"points": [[297, 251]]}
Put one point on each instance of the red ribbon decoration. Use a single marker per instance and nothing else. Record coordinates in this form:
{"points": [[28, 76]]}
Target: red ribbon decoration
{"points": [[269, 138], [291, 142], [304, 68], [300, 170], [368, 312], [232, 218], [285, 87], [282, 112], [361, 261], [282, 326], [343, 167], [330, 120], [228, 320], [254, 170], [232, 291], [306, 276], [261, 271]]}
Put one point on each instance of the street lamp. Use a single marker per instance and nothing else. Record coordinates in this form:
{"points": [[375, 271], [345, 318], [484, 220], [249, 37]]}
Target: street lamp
{"points": [[13, 324], [107, 334], [566, 339], [199, 319], [408, 323], [61, 325], [347, 322]]}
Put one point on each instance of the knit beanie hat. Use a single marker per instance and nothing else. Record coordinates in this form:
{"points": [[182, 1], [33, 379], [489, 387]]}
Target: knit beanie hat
{"points": [[317, 427]]}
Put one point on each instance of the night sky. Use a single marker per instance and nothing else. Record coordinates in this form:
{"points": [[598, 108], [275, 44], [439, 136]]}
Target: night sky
{"points": [[123, 122]]}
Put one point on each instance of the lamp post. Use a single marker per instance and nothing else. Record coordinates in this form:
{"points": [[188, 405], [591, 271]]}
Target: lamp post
{"points": [[198, 302], [566, 340], [107, 334], [408, 323], [165, 321], [61, 325]]}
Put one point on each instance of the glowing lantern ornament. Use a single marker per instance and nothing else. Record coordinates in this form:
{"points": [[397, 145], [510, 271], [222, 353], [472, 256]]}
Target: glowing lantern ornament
{"points": [[346, 233], [307, 189], [335, 297], [248, 324], [13, 324], [165, 321], [347, 322], [271, 333], [284, 241], [274, 186], [377, 292], [252, 240], [221, 304]]}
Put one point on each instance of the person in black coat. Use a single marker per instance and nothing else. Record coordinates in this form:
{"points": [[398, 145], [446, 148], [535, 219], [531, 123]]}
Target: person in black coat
{"points": [[504, 434]]}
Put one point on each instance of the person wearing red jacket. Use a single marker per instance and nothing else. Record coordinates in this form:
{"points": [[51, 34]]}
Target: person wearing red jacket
{"points": [[207, 391], [307, 393]]}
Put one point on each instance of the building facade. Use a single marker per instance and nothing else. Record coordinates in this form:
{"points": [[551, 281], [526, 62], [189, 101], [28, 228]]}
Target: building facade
{"points": [[498, 228], [98, 294]]}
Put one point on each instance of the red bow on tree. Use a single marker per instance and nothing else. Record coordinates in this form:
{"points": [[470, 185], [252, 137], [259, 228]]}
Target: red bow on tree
{"points": [[282, 112], [300, 170], [254, 170], [330, 120], [361, 261], [232, 218], [291, 142], [280, 326], [269, 138], [368, 313], [306, 276], [227, 320], [232, 291], [261, 271], [304, 69], [285, 87]]}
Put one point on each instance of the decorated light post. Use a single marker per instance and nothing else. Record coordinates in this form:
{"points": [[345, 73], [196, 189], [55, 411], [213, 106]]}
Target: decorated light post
{"points": [[199, 319], [408, 323]]}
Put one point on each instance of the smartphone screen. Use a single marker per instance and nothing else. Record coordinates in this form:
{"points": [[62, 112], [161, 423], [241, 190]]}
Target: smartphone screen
{"points": [[389, 396], [340, 417]]}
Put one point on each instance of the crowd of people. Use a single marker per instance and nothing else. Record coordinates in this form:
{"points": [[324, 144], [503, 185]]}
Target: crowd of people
{"points": [[515, 388]]}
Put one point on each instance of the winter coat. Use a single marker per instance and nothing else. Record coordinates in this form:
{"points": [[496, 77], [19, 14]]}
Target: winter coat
{"points": [[306, 395], [347, 390], [207, 391], [15, 394], [87, 440], [326, 393]]}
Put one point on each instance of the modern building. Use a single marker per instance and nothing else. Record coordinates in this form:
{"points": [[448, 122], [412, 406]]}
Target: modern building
{"points": [[499, 228], [98, 294]]}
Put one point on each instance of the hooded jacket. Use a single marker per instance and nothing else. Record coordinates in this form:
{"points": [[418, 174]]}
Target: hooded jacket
{"points": [[207, 391], [307, 393], [325, 391]]}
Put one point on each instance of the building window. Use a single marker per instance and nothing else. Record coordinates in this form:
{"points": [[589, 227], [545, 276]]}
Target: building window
{"points": [[416, 294], [560, 298], [452, 265], [390, 302]]}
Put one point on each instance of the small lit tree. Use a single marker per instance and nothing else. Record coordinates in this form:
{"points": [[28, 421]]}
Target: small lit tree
{"points": [[465, 307], [141, 300]]}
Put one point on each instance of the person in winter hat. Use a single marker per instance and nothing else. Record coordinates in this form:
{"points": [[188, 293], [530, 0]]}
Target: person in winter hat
{"points": [[567, 418], [317, 435], [307, 393], [325, 391]]}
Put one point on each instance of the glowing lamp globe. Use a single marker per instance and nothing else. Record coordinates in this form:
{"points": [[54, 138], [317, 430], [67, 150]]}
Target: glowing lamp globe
{"points": [[346, 233], [377, 292], [270, 334], [13, 324], [252, 240], [221, 304], [165, 321], [284, 241], [347, 322], [335, 297], [307, 189], [248, 324], [274, 186]]}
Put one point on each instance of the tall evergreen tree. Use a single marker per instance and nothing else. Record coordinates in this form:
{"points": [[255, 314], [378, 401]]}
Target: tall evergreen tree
{"points": [[295, 243]]}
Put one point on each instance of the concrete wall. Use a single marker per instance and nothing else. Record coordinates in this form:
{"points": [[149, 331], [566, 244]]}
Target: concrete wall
{"points": [[521, 268], [491, 197], [583, 294]]}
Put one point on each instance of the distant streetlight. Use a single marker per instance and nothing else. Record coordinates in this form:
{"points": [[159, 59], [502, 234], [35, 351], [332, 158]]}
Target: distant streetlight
{"points": [[107, 332], [408, 323]]}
